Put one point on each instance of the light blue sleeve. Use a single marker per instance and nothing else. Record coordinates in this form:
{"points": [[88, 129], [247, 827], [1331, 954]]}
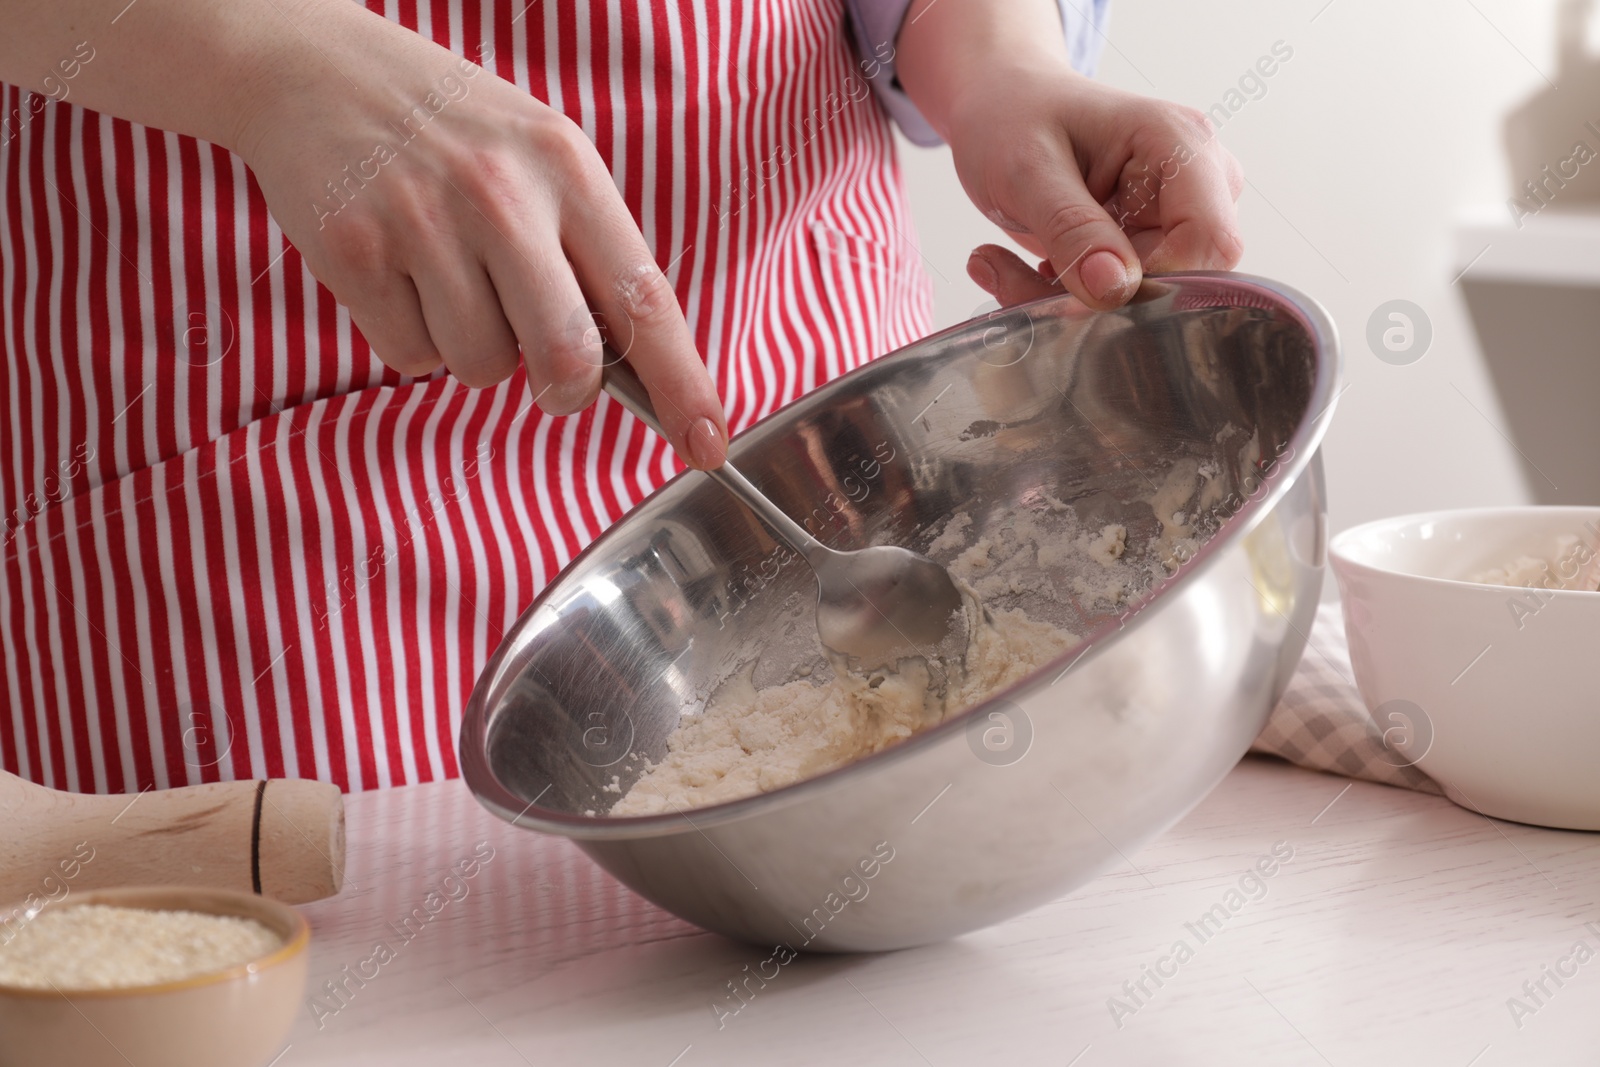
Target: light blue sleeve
{"points": [[875, 24]]}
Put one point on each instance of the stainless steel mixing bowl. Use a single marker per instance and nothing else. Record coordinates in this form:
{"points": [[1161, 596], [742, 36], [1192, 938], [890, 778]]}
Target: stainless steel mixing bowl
{"points": [[1037, 790]]}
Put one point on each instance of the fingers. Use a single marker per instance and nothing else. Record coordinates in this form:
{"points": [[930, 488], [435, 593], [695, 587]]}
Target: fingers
{"points": [[503, 259], [1003, 275], [389, 316], [358, 265], [1198, 221], [1180, 211], [1098, 263], [464, 318], [1235, 175], [623, 283], [547, 310]]}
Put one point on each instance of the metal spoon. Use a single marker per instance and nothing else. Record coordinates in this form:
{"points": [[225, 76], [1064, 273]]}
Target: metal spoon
{"points": [[874, 605]]}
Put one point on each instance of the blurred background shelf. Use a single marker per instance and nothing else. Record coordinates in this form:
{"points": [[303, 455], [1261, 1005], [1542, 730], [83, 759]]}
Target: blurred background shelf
{"points": [[1530, 293], [1560, 248]]}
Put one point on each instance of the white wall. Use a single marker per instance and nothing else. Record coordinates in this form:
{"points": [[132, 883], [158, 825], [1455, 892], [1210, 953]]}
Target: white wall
{"points": [[1370, 142]]}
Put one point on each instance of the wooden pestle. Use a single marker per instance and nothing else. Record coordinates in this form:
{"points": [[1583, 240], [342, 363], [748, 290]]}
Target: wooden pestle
{"points": [[281, 837]]}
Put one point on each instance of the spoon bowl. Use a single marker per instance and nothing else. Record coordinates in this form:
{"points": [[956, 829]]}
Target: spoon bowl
{"points": [[875, 605], [880, 604]]}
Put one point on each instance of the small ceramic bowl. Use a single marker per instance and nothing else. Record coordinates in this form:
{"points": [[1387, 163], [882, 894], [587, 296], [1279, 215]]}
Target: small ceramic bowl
{"points": [[1491, 690], [236, 1017]]}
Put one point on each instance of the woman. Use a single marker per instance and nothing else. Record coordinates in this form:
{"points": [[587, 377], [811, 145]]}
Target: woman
{"points": [[301, 357]]}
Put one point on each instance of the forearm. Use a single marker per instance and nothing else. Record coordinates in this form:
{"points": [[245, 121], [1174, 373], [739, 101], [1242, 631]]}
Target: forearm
{"points": [[198, 67], [947, 47]]}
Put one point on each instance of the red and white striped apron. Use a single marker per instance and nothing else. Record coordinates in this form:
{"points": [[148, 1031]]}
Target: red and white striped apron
{"points": [[234, 544]]}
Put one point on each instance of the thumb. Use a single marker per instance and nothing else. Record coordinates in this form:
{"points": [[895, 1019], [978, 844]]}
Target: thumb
{"points": [[1097, 262]]}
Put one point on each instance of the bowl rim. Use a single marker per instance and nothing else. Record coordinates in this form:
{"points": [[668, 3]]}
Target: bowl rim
{"points": [[147, 898], [486, 787], [1342, 561]]}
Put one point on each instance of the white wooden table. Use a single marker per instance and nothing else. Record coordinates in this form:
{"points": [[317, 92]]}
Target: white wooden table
{"points": [[1396, 934]]}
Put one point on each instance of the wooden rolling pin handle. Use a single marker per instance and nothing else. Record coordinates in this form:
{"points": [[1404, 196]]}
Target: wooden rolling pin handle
{"points": [[297, 846], [281, 837]]}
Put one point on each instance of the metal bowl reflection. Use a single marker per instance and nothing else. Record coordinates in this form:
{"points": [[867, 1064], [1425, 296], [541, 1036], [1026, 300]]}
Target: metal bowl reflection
{"points": [[1099, 751]]}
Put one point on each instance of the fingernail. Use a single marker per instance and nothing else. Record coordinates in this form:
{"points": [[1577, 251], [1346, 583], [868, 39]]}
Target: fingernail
{"points": [[1104, 277], [982, 272], [705, 444], [564, 398]]}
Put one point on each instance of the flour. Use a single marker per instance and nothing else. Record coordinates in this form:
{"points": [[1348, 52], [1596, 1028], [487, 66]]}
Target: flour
{"points": [[953, 536], [750, 740], [1573, 565], [1035, 577], [98, 946]]}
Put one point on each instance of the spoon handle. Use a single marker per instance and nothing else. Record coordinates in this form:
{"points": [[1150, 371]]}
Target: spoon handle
{"points": [[619, 379]]}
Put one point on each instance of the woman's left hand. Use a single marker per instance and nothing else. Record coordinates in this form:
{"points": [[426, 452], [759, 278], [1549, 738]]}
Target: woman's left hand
{"points": [[1103, 184]]}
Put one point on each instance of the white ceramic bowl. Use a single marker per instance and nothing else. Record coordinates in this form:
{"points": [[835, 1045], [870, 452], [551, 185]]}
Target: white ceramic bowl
{"points": [[1492, 691]]}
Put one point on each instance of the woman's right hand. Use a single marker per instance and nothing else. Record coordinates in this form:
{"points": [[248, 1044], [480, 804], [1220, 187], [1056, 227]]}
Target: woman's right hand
{"points": [[460, 220]]}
